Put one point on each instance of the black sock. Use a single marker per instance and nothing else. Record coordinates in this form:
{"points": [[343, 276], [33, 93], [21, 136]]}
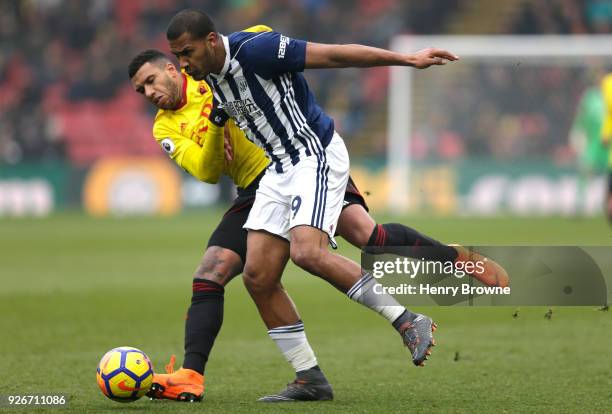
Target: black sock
{"points": [[419, 246], [204, 319]]}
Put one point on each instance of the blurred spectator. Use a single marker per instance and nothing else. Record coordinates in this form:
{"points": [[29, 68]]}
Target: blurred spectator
{"points": [[564, 17], [508, 112], [64, 61]]}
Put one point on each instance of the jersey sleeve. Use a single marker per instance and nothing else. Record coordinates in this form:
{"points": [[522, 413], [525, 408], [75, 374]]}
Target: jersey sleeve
{"points": [[204, 162], [271, 53], [606, 89]]}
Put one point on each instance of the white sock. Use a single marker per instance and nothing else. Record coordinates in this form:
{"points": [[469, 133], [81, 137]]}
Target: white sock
{"points": [[292, 342], [384, 304]]}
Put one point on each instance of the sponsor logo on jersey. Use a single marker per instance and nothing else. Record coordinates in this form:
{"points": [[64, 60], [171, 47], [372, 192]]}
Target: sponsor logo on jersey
{"points": [[243, 86], [241, 108], [168, 145], [282, 46]]}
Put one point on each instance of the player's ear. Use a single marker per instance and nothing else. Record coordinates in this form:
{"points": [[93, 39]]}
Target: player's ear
{"points": [[170, 68], [172, 72], [212, 38]]}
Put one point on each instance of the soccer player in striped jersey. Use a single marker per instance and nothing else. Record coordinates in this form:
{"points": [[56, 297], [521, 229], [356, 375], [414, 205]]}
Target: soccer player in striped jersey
{"points": [[257, 78], [183, 130]]}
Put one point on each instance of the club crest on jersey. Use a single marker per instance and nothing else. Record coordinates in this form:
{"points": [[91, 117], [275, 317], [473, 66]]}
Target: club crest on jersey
{"points": [[168, 145], [243, 86]]}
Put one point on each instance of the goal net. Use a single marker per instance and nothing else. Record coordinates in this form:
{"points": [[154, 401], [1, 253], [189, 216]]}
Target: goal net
{"points": [[490, 134]]}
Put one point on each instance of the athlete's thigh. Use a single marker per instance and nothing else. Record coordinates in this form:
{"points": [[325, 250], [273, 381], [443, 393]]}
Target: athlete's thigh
{"points": [[226, 252], [355, 225], [230, 233], [307, 241], [267, 255]]}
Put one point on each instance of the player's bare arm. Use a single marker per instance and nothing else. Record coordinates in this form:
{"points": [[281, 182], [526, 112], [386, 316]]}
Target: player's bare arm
{"points": [[319, 56]]}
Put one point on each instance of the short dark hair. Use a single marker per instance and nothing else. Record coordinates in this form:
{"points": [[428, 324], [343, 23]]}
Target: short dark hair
{"points": [[195, 22], [149, 55]]}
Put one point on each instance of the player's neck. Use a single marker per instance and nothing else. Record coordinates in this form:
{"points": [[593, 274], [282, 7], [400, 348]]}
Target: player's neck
{"points": [[220, 53], [182, 85]]}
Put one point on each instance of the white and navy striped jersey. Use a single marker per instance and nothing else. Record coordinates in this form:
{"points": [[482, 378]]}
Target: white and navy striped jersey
{"points": [[261, 87]]}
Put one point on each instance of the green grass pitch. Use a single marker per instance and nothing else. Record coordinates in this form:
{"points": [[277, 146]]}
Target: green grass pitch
{"points": [[72, 287]]}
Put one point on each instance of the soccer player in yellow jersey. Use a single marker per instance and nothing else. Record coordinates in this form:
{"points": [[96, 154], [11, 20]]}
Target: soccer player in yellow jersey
{"points": [[189, 129], [606, 136]]}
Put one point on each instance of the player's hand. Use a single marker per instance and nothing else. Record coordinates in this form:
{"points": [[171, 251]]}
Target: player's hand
{"points": [[432, 56], [227, 146], [218, 116]]}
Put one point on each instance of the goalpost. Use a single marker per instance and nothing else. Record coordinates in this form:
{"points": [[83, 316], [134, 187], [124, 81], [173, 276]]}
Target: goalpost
{"points": [[414, 95]]}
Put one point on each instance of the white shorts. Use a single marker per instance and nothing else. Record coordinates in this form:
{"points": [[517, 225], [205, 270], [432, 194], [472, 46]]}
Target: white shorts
{"points": [[311, 193]]}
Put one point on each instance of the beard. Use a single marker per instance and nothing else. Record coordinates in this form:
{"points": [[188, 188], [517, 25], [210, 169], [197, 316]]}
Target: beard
{"points": [[197, 75], [174, 93]]}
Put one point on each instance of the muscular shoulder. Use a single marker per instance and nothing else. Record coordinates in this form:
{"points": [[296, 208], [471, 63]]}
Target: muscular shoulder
{"points": [[238, 41]]}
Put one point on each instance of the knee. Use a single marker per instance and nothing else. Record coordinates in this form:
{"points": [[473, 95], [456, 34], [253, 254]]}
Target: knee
{"points": [[307, 257], [256, 281], [218, 266], [220, 276]]}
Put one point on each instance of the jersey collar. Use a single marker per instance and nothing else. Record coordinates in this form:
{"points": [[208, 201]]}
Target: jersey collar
{"points": [[227, 57]]}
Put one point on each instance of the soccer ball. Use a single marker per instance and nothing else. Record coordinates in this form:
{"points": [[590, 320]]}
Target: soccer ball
{"points": [[125, 374]]}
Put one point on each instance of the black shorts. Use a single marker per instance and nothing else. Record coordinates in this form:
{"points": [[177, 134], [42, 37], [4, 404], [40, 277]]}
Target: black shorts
{"points": [[610, 183], [229, 234], [353, 195]]}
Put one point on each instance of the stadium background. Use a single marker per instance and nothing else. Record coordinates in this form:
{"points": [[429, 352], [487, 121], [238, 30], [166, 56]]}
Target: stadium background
{"points": [[66, 106], [78, 277]]}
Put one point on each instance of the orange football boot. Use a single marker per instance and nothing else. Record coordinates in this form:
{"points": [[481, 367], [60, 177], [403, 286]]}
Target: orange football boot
{"points": [[489, 272], [182, 385]]}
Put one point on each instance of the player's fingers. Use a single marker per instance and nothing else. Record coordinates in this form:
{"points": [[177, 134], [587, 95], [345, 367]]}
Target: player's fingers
{"points": [[445, 54]]}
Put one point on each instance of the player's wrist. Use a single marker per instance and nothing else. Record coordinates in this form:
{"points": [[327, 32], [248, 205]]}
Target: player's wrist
{"points": [[409, 60], [218, 116]]}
